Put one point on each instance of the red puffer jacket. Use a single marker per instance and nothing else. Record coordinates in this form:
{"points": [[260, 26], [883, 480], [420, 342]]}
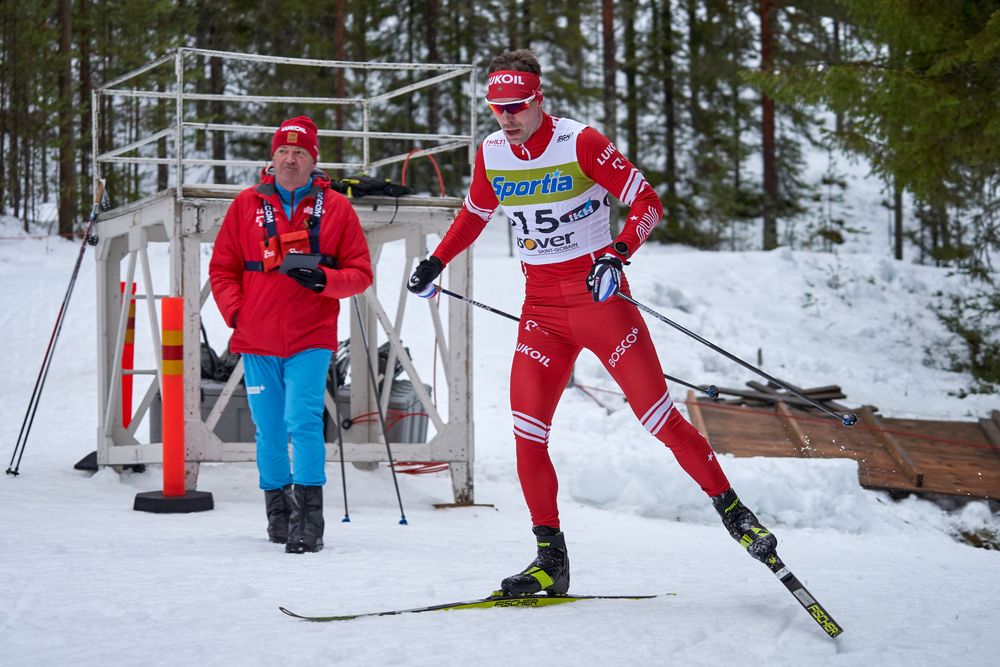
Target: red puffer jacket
{"points": [[274, 314]]}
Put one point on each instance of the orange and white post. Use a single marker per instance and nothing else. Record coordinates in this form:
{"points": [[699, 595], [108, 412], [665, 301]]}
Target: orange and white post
{"points": [[173, 396], [174, 498]]}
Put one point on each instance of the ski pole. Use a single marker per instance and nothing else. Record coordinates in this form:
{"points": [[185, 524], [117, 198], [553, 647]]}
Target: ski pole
{"points": [[340, 441], [378, 408], [849, 419], [43, 373], [478, 304], [711, 391]]}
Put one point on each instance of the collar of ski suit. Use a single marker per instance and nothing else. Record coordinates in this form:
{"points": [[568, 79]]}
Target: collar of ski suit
{"points": [[536, 143], [290, 197]]}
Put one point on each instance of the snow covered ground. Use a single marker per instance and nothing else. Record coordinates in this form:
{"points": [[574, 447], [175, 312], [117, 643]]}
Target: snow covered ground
{"points": [[85, 580]]}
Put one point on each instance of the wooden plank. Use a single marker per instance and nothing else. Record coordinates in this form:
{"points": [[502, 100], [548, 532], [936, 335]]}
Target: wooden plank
{"points": [[768, 398], [799, 439], [890, 444], [697, 420], [950, 457], [762, 388], [825, 389], [816, 393], [991, 430], [745, 431]]}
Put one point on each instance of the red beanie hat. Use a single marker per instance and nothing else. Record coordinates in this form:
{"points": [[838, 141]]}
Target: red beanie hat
{"points": [[299, 131]]}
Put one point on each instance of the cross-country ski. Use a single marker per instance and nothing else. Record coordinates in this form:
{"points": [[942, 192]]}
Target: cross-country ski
{"points": [[496, 600]]}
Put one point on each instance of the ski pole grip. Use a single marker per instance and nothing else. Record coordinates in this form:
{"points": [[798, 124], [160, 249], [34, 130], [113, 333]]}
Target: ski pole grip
{"points": [[99, 191]]}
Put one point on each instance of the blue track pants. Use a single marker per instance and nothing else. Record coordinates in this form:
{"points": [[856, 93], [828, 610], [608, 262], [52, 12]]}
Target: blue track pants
{"points": [[286, 400]]}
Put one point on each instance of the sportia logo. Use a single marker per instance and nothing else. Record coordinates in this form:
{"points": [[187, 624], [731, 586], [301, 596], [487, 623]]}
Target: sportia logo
{"points": [[551, 182]]}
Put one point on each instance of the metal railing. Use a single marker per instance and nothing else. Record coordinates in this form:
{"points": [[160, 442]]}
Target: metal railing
{"points": [[179, 131]]}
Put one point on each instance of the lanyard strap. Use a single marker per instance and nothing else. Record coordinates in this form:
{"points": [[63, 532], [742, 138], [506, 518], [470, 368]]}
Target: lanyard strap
{"points": [[271, 228], [314, 220]]}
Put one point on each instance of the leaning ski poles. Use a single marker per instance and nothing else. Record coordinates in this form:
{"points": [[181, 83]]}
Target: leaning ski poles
{"points": [[100, 199], [711, 391], [340, 440], [378, 407], [848, 419]]}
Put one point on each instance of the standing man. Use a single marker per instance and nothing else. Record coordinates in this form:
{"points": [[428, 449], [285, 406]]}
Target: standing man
{"points": [[552, 177], [285, 319]]}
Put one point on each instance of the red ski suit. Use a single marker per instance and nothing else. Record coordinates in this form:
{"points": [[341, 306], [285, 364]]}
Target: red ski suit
{"points": [[559, 318], [274, 315]]}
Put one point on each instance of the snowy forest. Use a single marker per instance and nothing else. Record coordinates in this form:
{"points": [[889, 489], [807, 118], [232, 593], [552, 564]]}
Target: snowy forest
{"points": [[719, 102]]}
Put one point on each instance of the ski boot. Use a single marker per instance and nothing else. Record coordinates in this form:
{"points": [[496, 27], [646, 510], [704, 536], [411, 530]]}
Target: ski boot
{"points": [[549, 571], [305, 524], [277, 505], [744, 526]]}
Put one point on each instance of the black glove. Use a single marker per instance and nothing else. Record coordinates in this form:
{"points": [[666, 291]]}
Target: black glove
{"points": [[312, 279], [422, 281], [605, 277]]}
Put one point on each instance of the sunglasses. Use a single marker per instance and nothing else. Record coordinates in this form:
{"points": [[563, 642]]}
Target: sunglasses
{"points": [[515, 107]]}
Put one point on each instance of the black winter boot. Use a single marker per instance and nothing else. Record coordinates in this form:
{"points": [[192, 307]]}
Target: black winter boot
{"points": [[277, 504], [305, 531], [744, 526], [548, 572]]}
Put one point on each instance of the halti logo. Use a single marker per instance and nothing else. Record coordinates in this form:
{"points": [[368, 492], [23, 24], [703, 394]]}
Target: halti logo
{"points": [[582, 211], [534, 354], [551, 182], [506, 78], [496, 142]]}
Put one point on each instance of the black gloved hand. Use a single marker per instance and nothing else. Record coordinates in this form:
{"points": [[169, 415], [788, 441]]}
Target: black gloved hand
{"points": [[605, 277], [312, 279], [422, 281]]}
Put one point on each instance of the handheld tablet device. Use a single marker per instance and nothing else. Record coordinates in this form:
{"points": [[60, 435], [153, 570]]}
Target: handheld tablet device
{"points": [[298, 261]]}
